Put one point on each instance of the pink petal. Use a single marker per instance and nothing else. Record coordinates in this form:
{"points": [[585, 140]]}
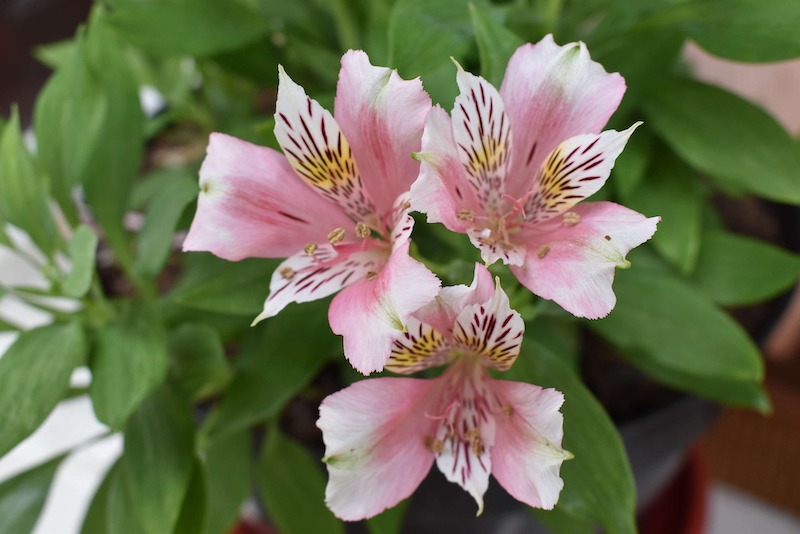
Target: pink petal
{"points": [[483, 136], [371, 313], [491, 329], [442, 190], [572, 259], [306, 277], [375, 434], [576, 169], [527, 453], [318, 151], [420, 347], [553, 93], [442, 312], [251, 204], [382, 115], [494, 246]]}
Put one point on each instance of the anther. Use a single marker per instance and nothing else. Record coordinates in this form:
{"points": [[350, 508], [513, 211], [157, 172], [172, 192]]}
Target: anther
{"points": [[543, 250], [287, 273], [362, 230], [434, 445], [406, 205], [310, 248], [336, 236], [465, 215], [571, 218], [371, 275]]}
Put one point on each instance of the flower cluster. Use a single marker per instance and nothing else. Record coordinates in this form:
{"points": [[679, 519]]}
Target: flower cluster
{"points": [[509, 168]]}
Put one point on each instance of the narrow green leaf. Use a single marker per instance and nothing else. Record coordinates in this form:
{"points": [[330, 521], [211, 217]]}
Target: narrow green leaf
{"points": [[735, 142], [672, 191], [158, 232], [23, 201], [193, 510], [130, 361], [293, 488], [278, 359], [197, 360], [199, 28], [57, 54], [598, 484], [34, 376], [389, 521], [736, 271], [22, 497], [559, 521], [95, 521], [154, 471], [631, 166], [228, 480], [660, 320], [496, 43], [770, 27], [82, 247]]}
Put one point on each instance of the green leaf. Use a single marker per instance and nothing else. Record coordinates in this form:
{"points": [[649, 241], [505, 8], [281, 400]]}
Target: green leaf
{"points": [[57, 54], [293, 488], [631, 166], [736, 271], [34, 376], [163, 214], [278, 359], [130, 361], [598, 484], [735, 142], [199, 28], [672, 191], [82, 247], [95, 521], [770, 27], [216, 285], [192, 514], [389, 521], [495, 42], [197, 359], [424, 34], [559, 521], [23, 201], [228, 480], [22, 497], [662, 323], [153, 474]]}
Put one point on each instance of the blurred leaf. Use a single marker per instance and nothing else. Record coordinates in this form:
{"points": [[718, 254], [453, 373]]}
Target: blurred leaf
{"points": [[770, 27], [558, 521], [153, 474], [193, 510], [55, 55], [661, 322], [598, 484], [199, 28], [293, 488], [672, 191], [631, 166], [560, 336], [495, 42], [424, 34], [95, 522], [228, 480], [389, 521], [22, 497], [735, 270], [278, 359], [130, 361], [197, 359], [23, 201], [158, 233], [82, 247], [731, 139], [216, 285], [34, 376]]}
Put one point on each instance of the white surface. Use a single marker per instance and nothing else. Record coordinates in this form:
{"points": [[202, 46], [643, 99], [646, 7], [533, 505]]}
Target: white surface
{"points": [[735, 512]]}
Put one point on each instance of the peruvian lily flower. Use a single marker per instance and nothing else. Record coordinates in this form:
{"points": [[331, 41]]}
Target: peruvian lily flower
{"points": [[334, 205], [509, 169], [383, 434]]}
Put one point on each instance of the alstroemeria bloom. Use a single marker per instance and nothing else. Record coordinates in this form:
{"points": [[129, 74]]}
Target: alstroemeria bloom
{"points": [[383, 434], [334, 205], [508, 168]]}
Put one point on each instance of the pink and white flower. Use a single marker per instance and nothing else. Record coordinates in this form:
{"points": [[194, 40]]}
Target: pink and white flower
{"points": [[335, 205], [382, 435], [509, 169]]}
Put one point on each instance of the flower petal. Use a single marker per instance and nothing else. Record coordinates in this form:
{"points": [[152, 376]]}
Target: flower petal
{"points": [[325, 270], [375, 434], [251, 204], [482, 133], [491, 329], [420, 347], [382, 115], [572, 260], [372, 312], [527, 453], [442, 312], [495, 246], [553, 93], [577, 168], [318, 151], [442, 190]]}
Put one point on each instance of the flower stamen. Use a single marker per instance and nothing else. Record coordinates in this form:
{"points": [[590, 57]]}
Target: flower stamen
{"points": [[336, 236]]}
